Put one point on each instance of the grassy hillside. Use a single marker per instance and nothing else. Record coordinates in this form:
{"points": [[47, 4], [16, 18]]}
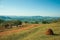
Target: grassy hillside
{"points": [[36, 32]]}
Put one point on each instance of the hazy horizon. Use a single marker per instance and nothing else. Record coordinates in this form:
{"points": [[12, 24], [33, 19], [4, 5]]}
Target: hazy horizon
{"points": [[30, 8]]}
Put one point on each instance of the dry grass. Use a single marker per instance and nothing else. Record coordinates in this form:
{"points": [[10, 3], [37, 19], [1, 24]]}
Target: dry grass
{"points": [[32, 32]]}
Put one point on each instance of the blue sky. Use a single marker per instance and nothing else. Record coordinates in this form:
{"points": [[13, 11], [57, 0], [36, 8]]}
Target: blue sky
{"points": [[30, 7]]}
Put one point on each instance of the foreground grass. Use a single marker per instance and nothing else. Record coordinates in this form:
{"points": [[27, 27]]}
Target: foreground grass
{"points": [[36, 33]]}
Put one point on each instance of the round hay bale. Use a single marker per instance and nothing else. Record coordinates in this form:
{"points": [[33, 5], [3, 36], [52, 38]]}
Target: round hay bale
{"points": [[49, 32]]}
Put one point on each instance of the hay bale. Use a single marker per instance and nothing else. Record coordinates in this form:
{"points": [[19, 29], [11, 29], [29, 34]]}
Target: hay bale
{"points": [[49, 32]]}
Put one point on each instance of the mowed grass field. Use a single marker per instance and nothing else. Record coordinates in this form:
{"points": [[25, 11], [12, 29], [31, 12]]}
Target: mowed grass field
{"points": [[32, 32]]}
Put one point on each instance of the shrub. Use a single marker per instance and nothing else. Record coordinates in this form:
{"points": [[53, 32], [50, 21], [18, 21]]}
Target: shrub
{"points": [[45, 22], [1, 21], [17, 22], [26, 22], [36, 22]]}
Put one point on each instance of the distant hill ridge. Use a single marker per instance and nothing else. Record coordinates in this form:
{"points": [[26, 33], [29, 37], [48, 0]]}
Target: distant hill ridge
{"points": [[28, 18]]}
